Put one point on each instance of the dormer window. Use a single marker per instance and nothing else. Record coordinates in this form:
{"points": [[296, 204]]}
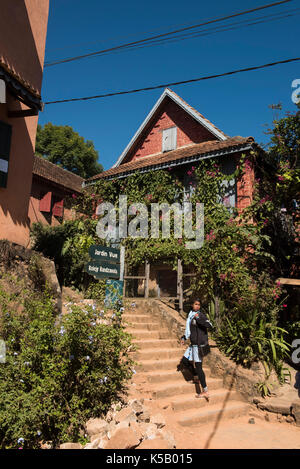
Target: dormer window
{"points": [[169, 139]]}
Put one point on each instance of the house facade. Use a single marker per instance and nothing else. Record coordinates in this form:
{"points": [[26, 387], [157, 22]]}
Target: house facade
{"points": [[175, 135], [51, 189], [23, 27]]}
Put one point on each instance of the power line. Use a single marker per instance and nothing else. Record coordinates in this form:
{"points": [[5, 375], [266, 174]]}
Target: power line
{"points": [[79, 57], [206, 32], [100, 41], [166, 85]]}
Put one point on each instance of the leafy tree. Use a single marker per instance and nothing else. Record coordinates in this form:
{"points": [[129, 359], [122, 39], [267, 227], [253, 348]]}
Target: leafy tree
{"points": [[277, 189], [63, 146]]}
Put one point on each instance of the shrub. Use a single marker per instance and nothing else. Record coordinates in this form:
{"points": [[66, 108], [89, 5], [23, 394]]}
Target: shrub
{"points": [[67, 244], [251, 339], [59, 371], [96, 290]]}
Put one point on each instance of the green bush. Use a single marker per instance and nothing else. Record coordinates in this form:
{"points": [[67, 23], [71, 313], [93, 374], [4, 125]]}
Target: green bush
{"points": [[68, 245], [253, 339], [96, 290], [293, 329], [59, 371]]}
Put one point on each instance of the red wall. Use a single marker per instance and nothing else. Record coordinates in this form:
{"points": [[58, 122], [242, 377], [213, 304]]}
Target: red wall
{"points": [[245, 187], [189, 131]]}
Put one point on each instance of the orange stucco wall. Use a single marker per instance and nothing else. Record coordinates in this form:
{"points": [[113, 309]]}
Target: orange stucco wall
{"points": [[23, 26]]}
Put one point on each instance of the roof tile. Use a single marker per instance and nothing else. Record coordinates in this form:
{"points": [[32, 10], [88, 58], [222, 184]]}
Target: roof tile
{"points": [[54, 173], [184, 152]]}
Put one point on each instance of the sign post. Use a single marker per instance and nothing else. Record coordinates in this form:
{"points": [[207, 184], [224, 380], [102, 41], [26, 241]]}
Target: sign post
{"points": [[108, 262]]}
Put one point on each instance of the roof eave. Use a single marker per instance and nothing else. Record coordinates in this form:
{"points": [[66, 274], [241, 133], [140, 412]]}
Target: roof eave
{"points": [[179, 162], [30, 99]]}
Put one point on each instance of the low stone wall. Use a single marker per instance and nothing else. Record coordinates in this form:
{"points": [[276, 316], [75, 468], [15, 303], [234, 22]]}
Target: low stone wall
{"points": [[234, 376]]}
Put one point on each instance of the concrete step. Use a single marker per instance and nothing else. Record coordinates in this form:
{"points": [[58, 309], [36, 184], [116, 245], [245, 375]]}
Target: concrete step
{"points": [[212, 413], [133, 312], [162, 376], [159, 343], [173, 388], [137, 318], [140, 335], [153, 365], [186, 402], [157, 353], [149, 326]]}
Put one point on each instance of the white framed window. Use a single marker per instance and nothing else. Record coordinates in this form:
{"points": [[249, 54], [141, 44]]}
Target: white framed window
{"points": [[169, 139]]}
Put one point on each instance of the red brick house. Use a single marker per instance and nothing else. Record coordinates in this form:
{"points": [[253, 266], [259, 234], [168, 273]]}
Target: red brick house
{"points": [[176, 135], [51, 187]]}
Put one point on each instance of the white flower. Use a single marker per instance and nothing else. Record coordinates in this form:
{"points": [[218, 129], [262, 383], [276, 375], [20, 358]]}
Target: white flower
{"points": [[38, 433], [94, 307], [87, 357], [62, 330], [21, 440], [15, 353]]}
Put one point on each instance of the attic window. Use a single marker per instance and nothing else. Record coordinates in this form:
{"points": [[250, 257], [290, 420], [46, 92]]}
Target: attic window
{"points": [[169, 139]]}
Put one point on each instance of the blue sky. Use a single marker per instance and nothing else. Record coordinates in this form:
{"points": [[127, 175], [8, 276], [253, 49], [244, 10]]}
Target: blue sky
{"points": [[238, 105]]}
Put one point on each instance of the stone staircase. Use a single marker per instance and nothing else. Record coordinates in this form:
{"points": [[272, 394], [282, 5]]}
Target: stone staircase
{"points": [[158, 355]]}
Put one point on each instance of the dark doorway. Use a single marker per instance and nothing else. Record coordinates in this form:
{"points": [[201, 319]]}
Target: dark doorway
{"points": [[167, 282]]}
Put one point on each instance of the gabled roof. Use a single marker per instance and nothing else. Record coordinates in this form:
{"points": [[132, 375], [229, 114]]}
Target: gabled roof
{"points": [[180, 102], [43, 168], [184, 155]]}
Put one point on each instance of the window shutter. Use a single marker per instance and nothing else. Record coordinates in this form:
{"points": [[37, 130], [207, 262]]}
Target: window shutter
{"points": [[5, 141], [228, 167], [169, 137], [45, 202], [58, 208]]}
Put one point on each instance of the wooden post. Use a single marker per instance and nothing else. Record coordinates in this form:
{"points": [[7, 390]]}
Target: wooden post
{"points": [[124, 279], [217, 311], [179, 285], [147, 272]]}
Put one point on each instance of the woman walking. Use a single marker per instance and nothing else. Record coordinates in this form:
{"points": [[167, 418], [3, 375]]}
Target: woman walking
{"points": [[196, 330]]}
